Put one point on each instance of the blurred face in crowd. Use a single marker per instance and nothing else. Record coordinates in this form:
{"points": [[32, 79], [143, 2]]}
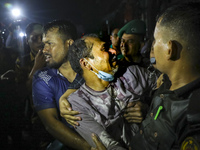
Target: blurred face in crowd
{"points": [[101, 58], [35, 39], [114, 37], [130, 45], [54, 48]]}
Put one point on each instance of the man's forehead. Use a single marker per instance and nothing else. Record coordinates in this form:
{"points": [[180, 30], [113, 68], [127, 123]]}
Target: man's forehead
{"points": [[115, 31], [50, 33], [129, 36]]}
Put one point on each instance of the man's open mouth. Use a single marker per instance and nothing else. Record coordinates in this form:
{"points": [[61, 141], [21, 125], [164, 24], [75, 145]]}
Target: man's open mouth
{"points": [[48, 57]]}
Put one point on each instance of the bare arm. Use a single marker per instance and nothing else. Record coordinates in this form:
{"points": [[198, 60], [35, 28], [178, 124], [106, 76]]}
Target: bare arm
{"points": [[60, 131]]}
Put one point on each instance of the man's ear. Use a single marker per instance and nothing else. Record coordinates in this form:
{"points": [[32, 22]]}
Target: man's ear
{"points": [[110, 37], [69, 42], [85, 64], [172, 51]]}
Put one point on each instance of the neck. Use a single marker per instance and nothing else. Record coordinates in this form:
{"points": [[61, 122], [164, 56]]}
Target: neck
{"points": [[182, 77], [92, 81], [67, 71]]}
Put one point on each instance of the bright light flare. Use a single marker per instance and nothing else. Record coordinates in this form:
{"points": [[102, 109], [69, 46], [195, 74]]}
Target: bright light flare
{"points": [[16, 12], [21, 34]]}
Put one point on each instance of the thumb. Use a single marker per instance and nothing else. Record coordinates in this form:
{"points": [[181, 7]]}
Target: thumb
{"points": [[64, 103], [95, 139]]}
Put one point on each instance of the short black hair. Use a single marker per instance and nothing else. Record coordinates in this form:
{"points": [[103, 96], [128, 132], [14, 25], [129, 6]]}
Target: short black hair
{"points": [[67, 29], [79, 49], [30, 28], [183, 21]]}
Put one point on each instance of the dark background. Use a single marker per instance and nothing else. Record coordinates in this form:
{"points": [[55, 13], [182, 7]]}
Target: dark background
{"points": [[99, 16]]}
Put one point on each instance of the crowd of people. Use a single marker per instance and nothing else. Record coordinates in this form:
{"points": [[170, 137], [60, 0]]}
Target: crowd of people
{"points": [[68, 92]]}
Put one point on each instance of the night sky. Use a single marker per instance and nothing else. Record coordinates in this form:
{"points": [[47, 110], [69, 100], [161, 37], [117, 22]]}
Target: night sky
{"points": [[88, 15]]}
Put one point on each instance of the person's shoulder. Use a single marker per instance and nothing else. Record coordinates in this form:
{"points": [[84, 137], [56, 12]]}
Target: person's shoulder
{"points": [[78, 95], [135, 69], [45, 73]]}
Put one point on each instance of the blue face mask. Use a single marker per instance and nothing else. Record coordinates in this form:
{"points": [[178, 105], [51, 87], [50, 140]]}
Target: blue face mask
{"points": [[101, 74]]}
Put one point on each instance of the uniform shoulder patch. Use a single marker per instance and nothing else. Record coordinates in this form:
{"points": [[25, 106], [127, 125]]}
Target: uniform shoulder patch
{"points": [[190, 144]]}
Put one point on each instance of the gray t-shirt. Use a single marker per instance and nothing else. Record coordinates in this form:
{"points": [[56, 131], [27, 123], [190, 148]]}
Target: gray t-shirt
{"points": [[102, 111]]}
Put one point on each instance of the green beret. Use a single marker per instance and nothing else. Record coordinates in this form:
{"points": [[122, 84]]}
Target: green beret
{"points": [[133, 27]]}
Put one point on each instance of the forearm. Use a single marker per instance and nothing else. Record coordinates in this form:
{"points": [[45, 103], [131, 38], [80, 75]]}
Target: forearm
{"points": [[64, 134], [67, 136]]}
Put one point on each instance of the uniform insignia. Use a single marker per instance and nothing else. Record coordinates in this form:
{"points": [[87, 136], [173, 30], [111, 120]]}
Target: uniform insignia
{"points": [[190, 144]]}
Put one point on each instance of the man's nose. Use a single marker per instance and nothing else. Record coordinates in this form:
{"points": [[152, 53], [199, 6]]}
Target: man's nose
{"points": [[112, 51], [122, 44], [45, 49]]}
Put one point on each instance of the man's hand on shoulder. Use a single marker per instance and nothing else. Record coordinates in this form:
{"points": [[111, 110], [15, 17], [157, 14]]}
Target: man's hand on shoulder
{"points": [[66, 111]]}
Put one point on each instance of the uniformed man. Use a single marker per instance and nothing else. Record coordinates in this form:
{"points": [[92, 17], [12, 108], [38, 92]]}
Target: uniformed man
{"points": [[132, 40], [174, 117]]}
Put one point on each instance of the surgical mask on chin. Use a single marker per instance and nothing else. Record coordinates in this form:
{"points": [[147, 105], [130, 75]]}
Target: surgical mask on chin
{"points": [[101, 74]]}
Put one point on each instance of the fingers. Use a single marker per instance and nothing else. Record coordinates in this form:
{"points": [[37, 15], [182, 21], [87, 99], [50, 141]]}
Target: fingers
{"points": [[70, 118], [134, 119], [133, 109], [95, 139], [40, 57], [99, 145], [73, 123], [39, 53], [131, 104], [134, 114], [67, 113]]}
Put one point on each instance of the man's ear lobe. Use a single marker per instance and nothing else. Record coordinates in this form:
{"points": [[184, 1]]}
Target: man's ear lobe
{"points": [[85, 64], [69, 42], [172, 52]]}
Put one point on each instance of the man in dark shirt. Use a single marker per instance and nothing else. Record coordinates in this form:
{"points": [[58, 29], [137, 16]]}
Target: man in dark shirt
{"points": [[172, 121], [51, 82], [173, 117]]}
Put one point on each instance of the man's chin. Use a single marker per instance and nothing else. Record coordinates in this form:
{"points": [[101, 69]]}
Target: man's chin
{"points": [[53, 65]]}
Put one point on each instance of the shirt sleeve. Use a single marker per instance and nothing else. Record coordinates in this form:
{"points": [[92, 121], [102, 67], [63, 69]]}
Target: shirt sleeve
{"points": [[137, 80], [89, 125], [42, 95]]}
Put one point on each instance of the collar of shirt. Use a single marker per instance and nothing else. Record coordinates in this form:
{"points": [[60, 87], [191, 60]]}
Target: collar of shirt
{"points": [[181, 91]]}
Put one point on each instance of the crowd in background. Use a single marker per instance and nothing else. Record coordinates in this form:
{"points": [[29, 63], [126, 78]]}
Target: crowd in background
{"points": [[31, 120]]}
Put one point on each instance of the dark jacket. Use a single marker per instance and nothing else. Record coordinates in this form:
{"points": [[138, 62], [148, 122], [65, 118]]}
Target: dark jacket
{"points": [[178, 119]]}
